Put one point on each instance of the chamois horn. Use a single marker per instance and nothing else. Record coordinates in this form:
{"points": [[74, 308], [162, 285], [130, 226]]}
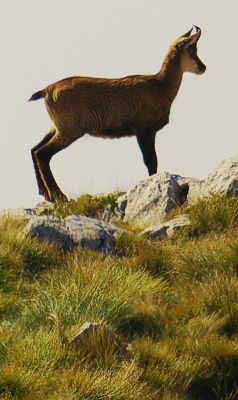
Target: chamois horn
{"points": [[190, 40], [196, 36], [186, 34]]}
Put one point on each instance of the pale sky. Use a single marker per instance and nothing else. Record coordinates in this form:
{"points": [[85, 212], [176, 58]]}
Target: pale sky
{"points": [[45, 41]]}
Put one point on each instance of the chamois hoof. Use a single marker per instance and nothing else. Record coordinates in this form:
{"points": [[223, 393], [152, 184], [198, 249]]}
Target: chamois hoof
{"points": [[45, 194], [58, 197]]}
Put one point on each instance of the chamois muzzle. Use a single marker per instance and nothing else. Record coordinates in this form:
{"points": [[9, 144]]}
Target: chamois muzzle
{"points": [[201, 67]]}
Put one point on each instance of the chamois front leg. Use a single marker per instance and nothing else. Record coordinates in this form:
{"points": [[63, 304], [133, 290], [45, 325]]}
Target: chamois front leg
{"points": [[43, 156], [146, 142]]}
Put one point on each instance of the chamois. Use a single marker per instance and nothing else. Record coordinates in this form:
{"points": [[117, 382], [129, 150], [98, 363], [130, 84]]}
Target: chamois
{"points": [[136, 105]]}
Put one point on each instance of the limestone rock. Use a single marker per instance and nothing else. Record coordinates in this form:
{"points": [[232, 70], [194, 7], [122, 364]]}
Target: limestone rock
{"points": [[73, 232], [151, 199], [192, 187], [89, 329], [224, 179], [159, 231]]}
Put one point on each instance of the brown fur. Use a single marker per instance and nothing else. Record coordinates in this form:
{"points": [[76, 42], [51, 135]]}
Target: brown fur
{"points": [[111, 108]]}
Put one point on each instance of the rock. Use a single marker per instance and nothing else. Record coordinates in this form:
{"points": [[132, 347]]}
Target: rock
{"points": [[224, 179], [52, 230], [166, 229], [144, 205], [73, 232], [90, 329], [150, 200], [87, 329], [28, 213], [192, 186]]}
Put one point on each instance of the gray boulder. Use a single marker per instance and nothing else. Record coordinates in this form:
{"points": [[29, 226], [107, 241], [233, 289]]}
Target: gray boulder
{"points": [[90, 329], [73, 232], [147, 202], [166, 229], [193, 187], [87, 330], [151, 199], [223, 180]]}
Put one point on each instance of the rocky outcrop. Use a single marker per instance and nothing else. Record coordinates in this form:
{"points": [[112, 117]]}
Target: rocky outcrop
{"points": [[73, 232], [223, 179], [151, 199], [166, 229], [147, 202], [144, 205]]}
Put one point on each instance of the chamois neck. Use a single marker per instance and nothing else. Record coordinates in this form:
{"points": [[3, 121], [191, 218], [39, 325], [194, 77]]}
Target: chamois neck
{"points": [[170, 76]]}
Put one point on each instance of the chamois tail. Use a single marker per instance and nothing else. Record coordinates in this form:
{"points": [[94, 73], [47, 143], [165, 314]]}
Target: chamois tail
{"points": [[37, 95]]}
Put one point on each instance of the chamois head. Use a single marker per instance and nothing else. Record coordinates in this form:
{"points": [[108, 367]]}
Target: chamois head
{"points": [[185, 48]]}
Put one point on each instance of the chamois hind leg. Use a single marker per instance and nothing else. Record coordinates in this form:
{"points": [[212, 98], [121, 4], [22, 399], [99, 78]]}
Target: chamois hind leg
{"points": [[146, 142], [43, 156], [40, 182]]}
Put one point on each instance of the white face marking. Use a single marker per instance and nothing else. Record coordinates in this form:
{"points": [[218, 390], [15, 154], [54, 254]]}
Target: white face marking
{"points": [[189, 64]]}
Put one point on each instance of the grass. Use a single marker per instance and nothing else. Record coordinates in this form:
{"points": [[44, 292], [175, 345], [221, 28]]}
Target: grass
{"points": [[215, 214], [175, 301], [88, 205]]}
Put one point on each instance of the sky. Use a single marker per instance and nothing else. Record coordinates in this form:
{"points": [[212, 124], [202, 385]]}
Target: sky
{"points": [[48, 40]]}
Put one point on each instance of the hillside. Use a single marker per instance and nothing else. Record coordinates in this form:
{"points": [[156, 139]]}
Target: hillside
{"points": [[167, 309]]}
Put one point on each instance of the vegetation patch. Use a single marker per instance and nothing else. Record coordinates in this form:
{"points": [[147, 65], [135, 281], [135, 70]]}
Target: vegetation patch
{"points": [[173, 303], [215, 214], [88, 205]]}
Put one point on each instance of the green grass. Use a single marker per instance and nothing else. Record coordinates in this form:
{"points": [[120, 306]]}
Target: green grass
{"points": [[175, 301], [88, 205], [215, 214]]}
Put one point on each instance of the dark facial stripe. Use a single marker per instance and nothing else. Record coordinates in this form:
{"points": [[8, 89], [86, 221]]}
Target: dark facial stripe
{"points": [[200, 64]]}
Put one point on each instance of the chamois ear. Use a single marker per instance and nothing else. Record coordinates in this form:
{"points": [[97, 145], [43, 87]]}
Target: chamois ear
{"points": [[193, 39]]}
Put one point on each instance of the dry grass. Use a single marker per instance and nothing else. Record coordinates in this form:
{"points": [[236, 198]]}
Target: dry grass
{"points": [[175, 301], [88, 205], [215, 214]]}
